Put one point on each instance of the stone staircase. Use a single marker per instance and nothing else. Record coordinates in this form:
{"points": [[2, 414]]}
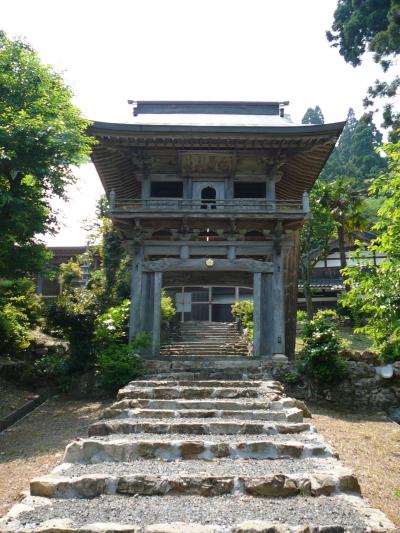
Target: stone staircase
{"points": [[198, 456], [206, 338]]}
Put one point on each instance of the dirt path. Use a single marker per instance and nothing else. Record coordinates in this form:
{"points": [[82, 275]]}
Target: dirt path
{"points": [[370, 445], [36, 444]]}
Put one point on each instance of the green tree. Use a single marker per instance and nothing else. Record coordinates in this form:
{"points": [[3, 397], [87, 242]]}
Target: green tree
{"points": [[375, 290], [371, 26], [41, 135], [313, 116], [347, 208], [356, 154], [315, 239]]}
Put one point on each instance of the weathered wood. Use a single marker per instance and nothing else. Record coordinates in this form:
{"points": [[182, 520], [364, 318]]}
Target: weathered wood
{"points": [[249, 265], [257, 314], [278, 307], [136, 292], [155, 348]]}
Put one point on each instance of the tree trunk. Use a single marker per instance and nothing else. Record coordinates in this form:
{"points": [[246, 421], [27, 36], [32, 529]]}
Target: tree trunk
{"points": [[342, 251], [306, 271]]}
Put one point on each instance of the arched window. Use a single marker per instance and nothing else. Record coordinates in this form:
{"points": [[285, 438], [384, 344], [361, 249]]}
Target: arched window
{"points": [[208, 198]]}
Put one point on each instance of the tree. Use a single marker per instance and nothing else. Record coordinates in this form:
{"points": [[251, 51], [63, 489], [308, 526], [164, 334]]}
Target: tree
{"points": [[313, 116], [347, 209], [373, 26], [356, 156], [375, 290], [315, 238], [41, 135]]}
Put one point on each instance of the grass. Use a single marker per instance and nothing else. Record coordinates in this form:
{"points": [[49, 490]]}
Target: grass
{"points": [[352, 341]]}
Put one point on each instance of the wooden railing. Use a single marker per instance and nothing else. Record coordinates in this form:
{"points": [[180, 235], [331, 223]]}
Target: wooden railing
{"points": [[237, 205]]}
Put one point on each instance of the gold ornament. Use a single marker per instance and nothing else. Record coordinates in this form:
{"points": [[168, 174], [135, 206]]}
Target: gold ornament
{"points": [[209, 262]]}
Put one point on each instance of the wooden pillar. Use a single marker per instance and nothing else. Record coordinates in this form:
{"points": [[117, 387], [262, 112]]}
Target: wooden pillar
{"points": [[270, 191], [146, 188], [187, 187], [278, 298], [257, 314], [232, 252], [136, 290], [155, 345]]}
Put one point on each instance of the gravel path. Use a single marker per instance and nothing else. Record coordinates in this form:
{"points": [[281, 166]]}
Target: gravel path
{"points": [[221, 467], [36, 444], [221, 510], [370, 445]]}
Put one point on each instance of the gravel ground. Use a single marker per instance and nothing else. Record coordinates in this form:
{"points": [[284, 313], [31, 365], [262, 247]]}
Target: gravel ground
{"points": [[36, 444], [221, 510], [221, 467], [370, 445], [312, 438], [12, 397]]}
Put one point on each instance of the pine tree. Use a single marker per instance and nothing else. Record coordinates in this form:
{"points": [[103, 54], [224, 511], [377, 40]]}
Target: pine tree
{"points": [[313, 116]]}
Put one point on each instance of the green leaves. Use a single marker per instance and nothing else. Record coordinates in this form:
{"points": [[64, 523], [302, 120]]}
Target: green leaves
{"points": [[41, 135], [375, 290], [319, 357]]}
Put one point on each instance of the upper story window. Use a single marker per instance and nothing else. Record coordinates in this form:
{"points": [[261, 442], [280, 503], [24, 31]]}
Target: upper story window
{"points": [[249, 190], [166, 189]]}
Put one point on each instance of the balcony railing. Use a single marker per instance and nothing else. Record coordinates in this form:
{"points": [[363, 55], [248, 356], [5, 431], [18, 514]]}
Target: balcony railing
{"points": [[178, 205]]}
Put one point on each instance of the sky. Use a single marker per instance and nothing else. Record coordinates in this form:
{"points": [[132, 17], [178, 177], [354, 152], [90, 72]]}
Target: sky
{"points": [[112, 51]]}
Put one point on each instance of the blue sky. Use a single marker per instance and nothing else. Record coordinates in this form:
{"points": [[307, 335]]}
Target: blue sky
{"points": [[109, 52]]}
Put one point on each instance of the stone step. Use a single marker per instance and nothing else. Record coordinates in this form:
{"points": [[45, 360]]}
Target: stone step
{"points": [[344, 513], [205, 415], [211, 374], [195, 383], [133, 483], [195, 426], [213, 404], [170, 393], [93, 450]]}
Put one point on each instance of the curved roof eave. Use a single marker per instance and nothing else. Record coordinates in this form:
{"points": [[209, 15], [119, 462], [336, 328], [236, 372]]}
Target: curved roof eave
{"points": [[109, 128]]}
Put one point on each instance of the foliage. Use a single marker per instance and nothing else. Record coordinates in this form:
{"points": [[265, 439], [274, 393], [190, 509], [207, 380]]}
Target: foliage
{"points": [[313, 116], [69, 272], [243, 310], [319, 358], [301, 316], [14, 329], [112, 326], [117, 365], [41, 135], [355, 156], [54, 368], [375, 291], [20, 310], [374, 26], [315, 239], [74, 315]]}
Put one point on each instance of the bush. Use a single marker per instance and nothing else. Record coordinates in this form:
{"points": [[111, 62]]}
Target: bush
{"points": [[244, 312], [117, 364], [112, 326], [301, 316], [14, 329], [320, 358], [54, 369]]}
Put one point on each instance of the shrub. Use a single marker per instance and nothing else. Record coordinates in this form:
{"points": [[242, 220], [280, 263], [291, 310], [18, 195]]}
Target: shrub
{"points": [[54, 369], [112, 326], [301, 316], [117, 364], [319, 358], [244, 312], [14, 329]]}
